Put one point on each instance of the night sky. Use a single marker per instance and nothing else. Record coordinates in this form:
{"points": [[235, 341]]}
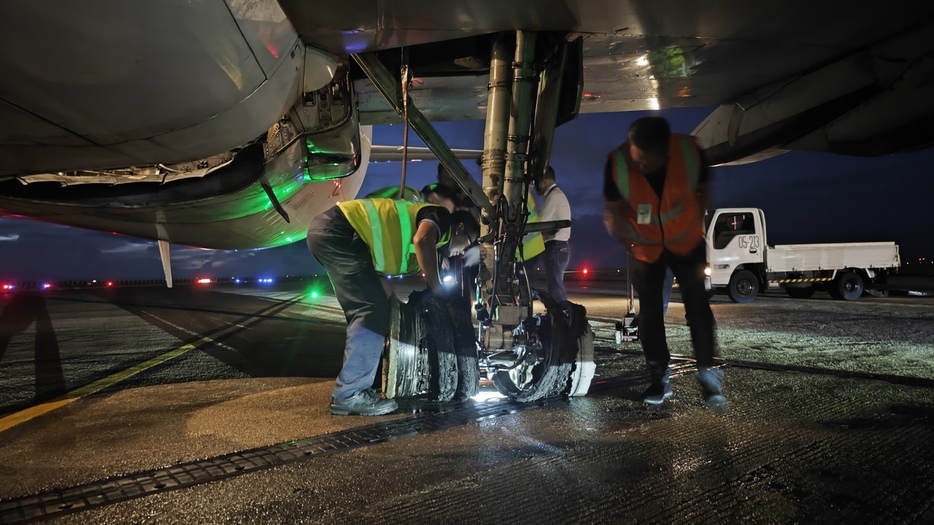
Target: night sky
{"points": [[807, 197]]}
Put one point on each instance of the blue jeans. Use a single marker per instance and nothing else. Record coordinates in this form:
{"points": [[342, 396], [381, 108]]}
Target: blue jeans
{"points": [[359, 290], [556, 256]]}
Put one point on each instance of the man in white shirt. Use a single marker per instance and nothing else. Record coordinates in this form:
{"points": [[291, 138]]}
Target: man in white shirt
{"points": [[555, 207]]}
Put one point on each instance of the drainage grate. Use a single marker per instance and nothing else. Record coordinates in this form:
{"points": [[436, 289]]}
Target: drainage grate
{"points": [[113, 490]]}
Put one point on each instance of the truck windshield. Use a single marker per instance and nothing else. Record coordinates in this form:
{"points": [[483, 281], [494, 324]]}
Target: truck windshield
{"points": [[730, 225]]}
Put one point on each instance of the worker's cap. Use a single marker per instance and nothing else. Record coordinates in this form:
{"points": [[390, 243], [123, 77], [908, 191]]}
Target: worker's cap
{"points": [[440, 190]]}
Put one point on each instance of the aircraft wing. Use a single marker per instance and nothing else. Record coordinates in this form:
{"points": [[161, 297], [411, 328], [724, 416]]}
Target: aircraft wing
{"points": [[852, 78], [102, 84], [216, 123]]}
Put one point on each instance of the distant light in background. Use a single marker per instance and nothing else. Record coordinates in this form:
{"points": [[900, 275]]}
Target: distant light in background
{"points": [[204, 281], [580, 149]]}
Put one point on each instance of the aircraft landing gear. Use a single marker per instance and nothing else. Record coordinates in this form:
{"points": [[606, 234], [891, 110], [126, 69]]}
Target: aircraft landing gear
{"points": [[547, 351], [528, 356]]}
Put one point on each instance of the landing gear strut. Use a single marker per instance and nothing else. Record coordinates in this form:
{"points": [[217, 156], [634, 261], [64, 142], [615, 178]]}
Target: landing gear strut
{"points": [[528, 356]]}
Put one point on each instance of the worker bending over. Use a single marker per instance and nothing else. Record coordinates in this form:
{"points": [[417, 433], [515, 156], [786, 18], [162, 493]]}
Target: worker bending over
{"points": [[360, 241]]}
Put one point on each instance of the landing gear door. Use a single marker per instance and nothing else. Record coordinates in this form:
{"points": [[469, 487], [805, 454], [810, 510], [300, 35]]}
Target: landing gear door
{"points": [[559, 95]]}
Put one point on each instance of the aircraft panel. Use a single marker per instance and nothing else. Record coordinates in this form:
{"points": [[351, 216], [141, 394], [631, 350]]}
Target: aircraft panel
{"points": [[22, 128], [266, 30], [131, 78], [121, 89]]}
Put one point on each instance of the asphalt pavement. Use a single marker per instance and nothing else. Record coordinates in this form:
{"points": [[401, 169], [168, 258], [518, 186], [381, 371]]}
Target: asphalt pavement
{"points": [[209, 405]]}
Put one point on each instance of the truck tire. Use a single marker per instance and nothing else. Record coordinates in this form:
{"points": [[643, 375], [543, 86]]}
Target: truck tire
{"points": [[743, 287], [847, 286]]}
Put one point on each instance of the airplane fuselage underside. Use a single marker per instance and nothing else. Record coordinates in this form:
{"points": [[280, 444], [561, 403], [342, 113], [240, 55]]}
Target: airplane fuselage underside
{"points": [[264, 100], [103, 85], [229, 209]]}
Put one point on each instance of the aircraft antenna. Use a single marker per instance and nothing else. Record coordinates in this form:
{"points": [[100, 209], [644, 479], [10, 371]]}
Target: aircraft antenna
{"points": [[406, 80]]}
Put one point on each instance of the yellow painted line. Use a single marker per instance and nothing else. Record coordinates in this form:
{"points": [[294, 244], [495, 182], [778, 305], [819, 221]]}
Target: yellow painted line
{"points": [[33, 412], [804, 280]]}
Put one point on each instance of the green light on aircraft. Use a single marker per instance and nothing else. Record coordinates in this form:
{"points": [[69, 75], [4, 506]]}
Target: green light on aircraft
{"points": [[669, 62], [321, 173], [321, 164]]}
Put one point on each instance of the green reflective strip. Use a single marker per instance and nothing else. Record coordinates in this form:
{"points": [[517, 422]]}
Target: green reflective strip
{"points": [[405, 222], [379, 257], [690, 162], [638, 239], [678, 236], [670, 215], [444, 239], [622, 174]]}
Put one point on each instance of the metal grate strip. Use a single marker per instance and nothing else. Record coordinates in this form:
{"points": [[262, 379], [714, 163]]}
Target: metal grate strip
{"points": [[122, 488]]}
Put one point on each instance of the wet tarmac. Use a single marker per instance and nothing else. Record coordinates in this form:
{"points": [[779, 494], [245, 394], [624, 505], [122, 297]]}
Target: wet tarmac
{"points": [[208, 405]]}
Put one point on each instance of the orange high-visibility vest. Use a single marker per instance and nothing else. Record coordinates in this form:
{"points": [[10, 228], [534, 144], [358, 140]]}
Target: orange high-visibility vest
{"points": [[674, 221], [388, 226]]}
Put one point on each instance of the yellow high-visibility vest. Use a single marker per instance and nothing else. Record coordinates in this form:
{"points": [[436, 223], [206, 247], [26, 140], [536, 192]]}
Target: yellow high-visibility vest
{"points": [[388, 226], [533, 244]]}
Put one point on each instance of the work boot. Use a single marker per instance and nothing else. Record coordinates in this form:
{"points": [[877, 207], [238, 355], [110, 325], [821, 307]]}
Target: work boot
{"points": [[711, 380], [362, 403], [660, 389]]}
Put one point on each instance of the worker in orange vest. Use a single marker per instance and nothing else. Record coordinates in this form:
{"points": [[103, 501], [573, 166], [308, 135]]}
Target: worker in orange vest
{"points": [[655, 188]]}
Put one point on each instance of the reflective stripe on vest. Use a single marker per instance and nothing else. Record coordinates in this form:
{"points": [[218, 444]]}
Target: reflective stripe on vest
{"points": [[405, 227], [387, 227], [622, 184], [691, 160], [676, 220]]}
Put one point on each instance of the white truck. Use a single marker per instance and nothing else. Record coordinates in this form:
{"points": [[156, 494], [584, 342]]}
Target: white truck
{"points": [[742, 262]]}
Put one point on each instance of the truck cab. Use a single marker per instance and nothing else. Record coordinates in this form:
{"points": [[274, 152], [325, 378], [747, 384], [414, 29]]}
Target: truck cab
{"points": [[736, 239]]}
